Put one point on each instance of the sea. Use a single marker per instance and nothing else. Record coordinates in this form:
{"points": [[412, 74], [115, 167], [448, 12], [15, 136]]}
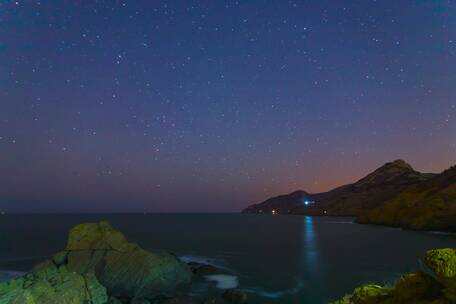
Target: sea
{"points": [[274, 259]]}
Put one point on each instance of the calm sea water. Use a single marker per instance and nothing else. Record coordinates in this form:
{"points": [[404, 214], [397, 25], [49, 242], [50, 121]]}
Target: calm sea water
{"points": [[276, 259]]}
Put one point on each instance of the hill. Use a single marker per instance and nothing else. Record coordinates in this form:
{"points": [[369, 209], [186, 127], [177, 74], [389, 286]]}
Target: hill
{"points": [[350, 200], [287, 203], [430, 205]]}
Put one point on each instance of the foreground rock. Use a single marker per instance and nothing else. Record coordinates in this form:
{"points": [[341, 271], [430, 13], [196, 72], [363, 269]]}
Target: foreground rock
{"points": [[201, 269], [126, 270], [443, 263], [50, 284], [235, 296], [98, 262], [415, 287]]}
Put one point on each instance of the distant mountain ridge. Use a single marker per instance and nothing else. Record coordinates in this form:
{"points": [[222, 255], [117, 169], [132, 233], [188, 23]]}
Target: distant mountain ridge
{"points": [[281, 203], [430, 205], [368, 193]]}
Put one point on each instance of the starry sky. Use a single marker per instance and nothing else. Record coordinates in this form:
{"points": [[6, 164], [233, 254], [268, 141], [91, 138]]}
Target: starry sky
{"points": [[208, 106]]}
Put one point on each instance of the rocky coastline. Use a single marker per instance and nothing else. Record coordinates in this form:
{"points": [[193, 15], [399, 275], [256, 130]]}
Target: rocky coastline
{"points": [[438, 286], [100, 266], [393, 195]]}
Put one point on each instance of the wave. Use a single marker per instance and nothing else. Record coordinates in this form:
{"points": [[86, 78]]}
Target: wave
{"points": [[229, 281], [197, 259], [223, 281], [275, 294]]}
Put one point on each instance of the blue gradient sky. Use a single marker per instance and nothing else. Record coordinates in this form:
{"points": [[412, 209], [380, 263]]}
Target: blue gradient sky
{"points": [[188, 106]]}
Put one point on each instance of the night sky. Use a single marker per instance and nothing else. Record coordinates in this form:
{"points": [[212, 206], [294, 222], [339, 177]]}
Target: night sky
{"points": [[203, 106]]}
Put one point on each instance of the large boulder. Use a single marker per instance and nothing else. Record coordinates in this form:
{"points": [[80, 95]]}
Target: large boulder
{"points": [[50, 284], [415, 287], [202, 269], [443, 263], [235, 296], [368, 294], [126, 270], [96, 236], [98, 262]]}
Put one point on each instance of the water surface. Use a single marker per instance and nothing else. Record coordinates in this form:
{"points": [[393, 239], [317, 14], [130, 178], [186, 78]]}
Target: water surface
{"points": [[276, 259]]}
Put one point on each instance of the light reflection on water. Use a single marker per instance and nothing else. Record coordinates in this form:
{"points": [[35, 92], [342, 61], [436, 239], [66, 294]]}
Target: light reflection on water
{"points": [[311, 259], [279, 259]]}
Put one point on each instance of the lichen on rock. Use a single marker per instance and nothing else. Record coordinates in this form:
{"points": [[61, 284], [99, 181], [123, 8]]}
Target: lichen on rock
{"points": [[442, 262], [125, 269], [368, 294], [415, 287], [97, 263], [50, 284]]}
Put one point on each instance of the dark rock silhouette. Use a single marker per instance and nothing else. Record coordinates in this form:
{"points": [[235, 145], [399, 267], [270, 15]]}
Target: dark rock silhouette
{"points": [[98, 262], [394, 194], [429, 205], [126, 270], [235, 296], [349, 200], [282, 203], [415, 287], [50, 284], [201, 269]]}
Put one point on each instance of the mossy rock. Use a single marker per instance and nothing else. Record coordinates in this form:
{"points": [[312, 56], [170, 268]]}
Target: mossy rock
{"points": [[95, 236], [126, 270], [98, 260], [443, 263], [51, 285], [60, 258], [345, 300], [415, 287], [368, 294]]}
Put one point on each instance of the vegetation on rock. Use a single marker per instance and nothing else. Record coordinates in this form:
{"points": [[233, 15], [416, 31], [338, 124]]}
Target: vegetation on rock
{"points": [[349, 200], [430, 205], [415, 287], [394, 195], [98, 262], [50, 284], [126, 270]]}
